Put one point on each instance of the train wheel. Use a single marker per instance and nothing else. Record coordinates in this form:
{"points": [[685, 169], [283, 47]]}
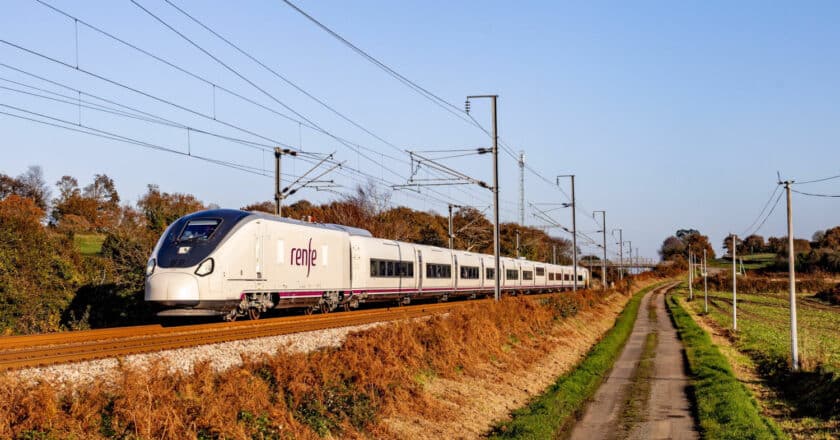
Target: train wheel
{"points": [[254, 313], [325, 308]]}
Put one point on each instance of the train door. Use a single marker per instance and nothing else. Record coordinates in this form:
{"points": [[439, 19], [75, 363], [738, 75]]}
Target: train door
{"points": [[356, 275], [455, 273], [259, 251], [419, 271]]}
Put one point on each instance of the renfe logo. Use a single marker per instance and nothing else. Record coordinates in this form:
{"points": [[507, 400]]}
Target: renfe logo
{"points": [[301, 257]]}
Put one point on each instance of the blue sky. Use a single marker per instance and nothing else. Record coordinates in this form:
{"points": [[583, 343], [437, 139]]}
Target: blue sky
{"points": [[671, 114]]}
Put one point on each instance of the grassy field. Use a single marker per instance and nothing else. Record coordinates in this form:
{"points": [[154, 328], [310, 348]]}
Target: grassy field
{"points": [[725, 408], [89, 244], [805, 403], [751, 262], [551, 413]]}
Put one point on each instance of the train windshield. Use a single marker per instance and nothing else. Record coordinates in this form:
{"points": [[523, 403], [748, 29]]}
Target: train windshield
{"points": [[199, 229], [193, 238]]}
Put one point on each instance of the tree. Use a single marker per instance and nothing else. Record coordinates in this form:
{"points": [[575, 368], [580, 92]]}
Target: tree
{"points": [[161, 208], [95, 208], [671, 247], [38, 269], [779, 245], [830, 239], [267, 206], [752, 244], [30, 185], [727, 244]]}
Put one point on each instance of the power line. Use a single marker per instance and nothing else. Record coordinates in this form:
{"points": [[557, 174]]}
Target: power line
{"points": [[82, 128], [444, 104], [768, 214], [815, 195], [141, 115], [818, 180], [764, 208], [283, 78], [260, 89]]}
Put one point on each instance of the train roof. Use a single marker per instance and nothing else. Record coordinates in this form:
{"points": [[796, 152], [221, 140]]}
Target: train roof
{"points": [[237, 214]]}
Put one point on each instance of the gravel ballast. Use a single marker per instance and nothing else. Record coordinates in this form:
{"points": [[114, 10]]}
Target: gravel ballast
{"points": [[221, 356]]}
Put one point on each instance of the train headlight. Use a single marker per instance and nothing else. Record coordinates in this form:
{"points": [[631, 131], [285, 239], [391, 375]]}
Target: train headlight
{"points": [[150, 266], [205, 268]]}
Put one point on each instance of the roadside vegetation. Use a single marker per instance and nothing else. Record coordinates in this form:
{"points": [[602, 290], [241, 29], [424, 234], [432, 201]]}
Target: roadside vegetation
{"points": [[72, 255], [725, 408], [342, 392], [553, 412], [805, 403]]}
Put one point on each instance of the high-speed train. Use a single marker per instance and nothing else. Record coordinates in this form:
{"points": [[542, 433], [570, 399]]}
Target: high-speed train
{"points": [[237, 263]]}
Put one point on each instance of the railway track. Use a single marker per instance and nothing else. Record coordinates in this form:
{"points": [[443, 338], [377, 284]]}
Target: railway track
{"points": [[18, 352]]}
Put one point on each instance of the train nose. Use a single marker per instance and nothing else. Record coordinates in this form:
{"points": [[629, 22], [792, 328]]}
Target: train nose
{"points": [[174, 288]]}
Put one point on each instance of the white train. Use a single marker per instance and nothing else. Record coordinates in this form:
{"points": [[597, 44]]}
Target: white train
{"points": [[235, 263]]}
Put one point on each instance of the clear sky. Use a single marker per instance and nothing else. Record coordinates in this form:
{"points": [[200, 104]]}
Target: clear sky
{"points": [[671, 114]]}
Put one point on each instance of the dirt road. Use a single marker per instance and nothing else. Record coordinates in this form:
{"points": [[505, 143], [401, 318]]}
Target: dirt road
{"points": [[645, 395]]}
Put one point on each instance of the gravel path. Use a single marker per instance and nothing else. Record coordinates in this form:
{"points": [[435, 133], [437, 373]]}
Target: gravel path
{"points": [[223, 355]]}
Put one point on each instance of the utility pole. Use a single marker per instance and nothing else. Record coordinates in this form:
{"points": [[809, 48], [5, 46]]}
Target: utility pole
{"points": [[630, 259], [690, 276], [451, 233], [517, 244], [495, 135], [522, 188], [637, 260], [554, 254], [574, 230], [705, 284], [604, 262], [620, 253], [734, 284], [794, 344], [278, 195]]}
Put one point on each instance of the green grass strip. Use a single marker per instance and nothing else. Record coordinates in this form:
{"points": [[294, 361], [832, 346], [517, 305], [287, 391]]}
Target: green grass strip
{"points": [[725, 407], [564, 402]]}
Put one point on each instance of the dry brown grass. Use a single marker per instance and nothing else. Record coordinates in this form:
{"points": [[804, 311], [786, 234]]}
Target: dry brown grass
{"points": [[344, 391]]}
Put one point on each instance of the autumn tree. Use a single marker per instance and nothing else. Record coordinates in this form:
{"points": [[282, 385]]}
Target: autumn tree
{"points": [[38, 269], [752, 244], [671, 247], [94, 208], [161, 208], [29, 185], [727, 244], [830, 239], [683, 242]]}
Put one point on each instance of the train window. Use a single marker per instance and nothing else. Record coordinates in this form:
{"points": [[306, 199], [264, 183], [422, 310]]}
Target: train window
{"points": [[512, 274], [580, 277], [406, 269], [490, 273], [438, 270], [391, 269], [469, 273], [200, 229], [540, 271], [551, 276], [527, 275], [567, 277]]}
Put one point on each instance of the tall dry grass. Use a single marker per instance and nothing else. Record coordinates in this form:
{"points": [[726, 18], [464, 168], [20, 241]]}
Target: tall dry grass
{"points": [[340, 391]]}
